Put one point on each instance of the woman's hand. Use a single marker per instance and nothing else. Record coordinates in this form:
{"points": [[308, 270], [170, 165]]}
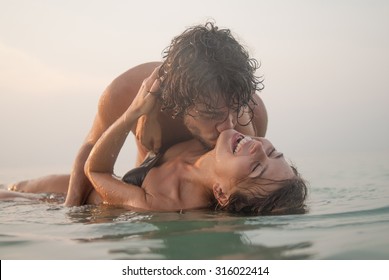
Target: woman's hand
{"points": [[147, 95], [148, 130]]}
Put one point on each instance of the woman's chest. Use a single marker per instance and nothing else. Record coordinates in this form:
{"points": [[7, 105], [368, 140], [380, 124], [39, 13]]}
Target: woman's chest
{"points": [[168, 185], [163, 181]]}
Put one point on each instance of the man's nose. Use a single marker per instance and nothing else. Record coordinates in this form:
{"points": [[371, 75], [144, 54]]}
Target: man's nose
{"points": [[227, 123]]}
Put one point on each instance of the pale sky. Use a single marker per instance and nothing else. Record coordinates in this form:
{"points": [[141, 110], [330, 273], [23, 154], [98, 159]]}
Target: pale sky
{"points": [[325, 65]]}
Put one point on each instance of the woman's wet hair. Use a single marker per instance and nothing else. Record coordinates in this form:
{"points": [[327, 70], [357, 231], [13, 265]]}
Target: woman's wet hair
{"points": [[249, 198], [204, 64]]}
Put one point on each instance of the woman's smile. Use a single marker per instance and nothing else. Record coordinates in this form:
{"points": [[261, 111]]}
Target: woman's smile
{"points": [[238, 142]]}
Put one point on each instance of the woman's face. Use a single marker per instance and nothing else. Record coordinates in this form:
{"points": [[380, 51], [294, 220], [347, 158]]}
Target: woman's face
{"points": [[238, 156]]}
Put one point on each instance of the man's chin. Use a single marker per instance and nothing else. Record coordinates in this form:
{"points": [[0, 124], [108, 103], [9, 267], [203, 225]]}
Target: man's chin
{"points": [[207, 145]]}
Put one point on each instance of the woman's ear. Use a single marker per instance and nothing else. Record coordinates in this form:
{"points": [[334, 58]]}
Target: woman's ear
{"points": [[220, 194]]}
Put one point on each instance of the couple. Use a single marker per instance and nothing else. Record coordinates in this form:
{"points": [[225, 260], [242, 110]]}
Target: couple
{"points": [[195, 111]]}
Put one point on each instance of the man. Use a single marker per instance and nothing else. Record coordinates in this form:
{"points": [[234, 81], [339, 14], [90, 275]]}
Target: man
{"points": [[207, 85]]}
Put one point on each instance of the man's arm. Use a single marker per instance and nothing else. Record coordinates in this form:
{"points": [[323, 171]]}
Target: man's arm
{"points": [[79, 184], [260, 118]]}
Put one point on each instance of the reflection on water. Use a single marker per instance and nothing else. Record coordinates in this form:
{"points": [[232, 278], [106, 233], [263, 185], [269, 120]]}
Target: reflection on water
{"points": [[348, 219], [192, 235], [101, 232]]}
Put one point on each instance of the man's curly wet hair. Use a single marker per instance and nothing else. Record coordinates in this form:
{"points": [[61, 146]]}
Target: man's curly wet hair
{"points": [[206, 63]]}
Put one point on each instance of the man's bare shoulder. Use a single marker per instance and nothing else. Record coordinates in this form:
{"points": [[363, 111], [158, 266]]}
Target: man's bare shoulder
{"points": [[260, 118], [254, 123], [132, 78]]}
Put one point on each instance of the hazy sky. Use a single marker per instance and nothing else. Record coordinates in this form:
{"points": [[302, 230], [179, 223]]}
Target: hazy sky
{"points": [[325, 65]]}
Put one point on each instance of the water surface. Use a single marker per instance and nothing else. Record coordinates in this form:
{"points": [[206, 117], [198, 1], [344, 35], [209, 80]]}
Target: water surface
{"points": [[348, 219]]}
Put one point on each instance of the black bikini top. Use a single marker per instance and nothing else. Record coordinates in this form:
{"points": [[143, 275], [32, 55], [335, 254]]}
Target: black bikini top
{"points": [[137, 175]]}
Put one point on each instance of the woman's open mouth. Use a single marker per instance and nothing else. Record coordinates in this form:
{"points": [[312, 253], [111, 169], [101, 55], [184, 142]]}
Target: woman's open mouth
{"points": [[238, 141]]}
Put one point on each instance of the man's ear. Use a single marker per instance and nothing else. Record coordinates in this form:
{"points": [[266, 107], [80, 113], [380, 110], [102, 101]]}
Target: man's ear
{"points": [[220, 194]]}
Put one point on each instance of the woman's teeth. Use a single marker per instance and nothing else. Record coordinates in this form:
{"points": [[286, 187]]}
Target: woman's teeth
{"points": [[241, 142]]}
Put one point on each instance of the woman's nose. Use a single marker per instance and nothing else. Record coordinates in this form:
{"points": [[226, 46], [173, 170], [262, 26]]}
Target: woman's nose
{"points": [[257, 149], [227, 123]]}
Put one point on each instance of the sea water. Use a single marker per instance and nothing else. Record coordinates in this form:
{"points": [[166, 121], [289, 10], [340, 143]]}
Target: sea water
{"points": [[348, 218]]}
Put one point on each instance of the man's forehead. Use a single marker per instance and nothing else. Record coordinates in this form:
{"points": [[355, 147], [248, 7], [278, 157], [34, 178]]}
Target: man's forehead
{"points": [[214, 103], [215, 100], [210, 107]]}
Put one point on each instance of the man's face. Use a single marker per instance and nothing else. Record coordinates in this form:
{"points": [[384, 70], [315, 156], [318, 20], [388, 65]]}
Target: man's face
{"points": [[205, 124]]}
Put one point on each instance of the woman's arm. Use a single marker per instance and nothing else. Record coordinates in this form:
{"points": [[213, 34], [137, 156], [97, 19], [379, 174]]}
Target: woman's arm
{"points": [[100, 163]]}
